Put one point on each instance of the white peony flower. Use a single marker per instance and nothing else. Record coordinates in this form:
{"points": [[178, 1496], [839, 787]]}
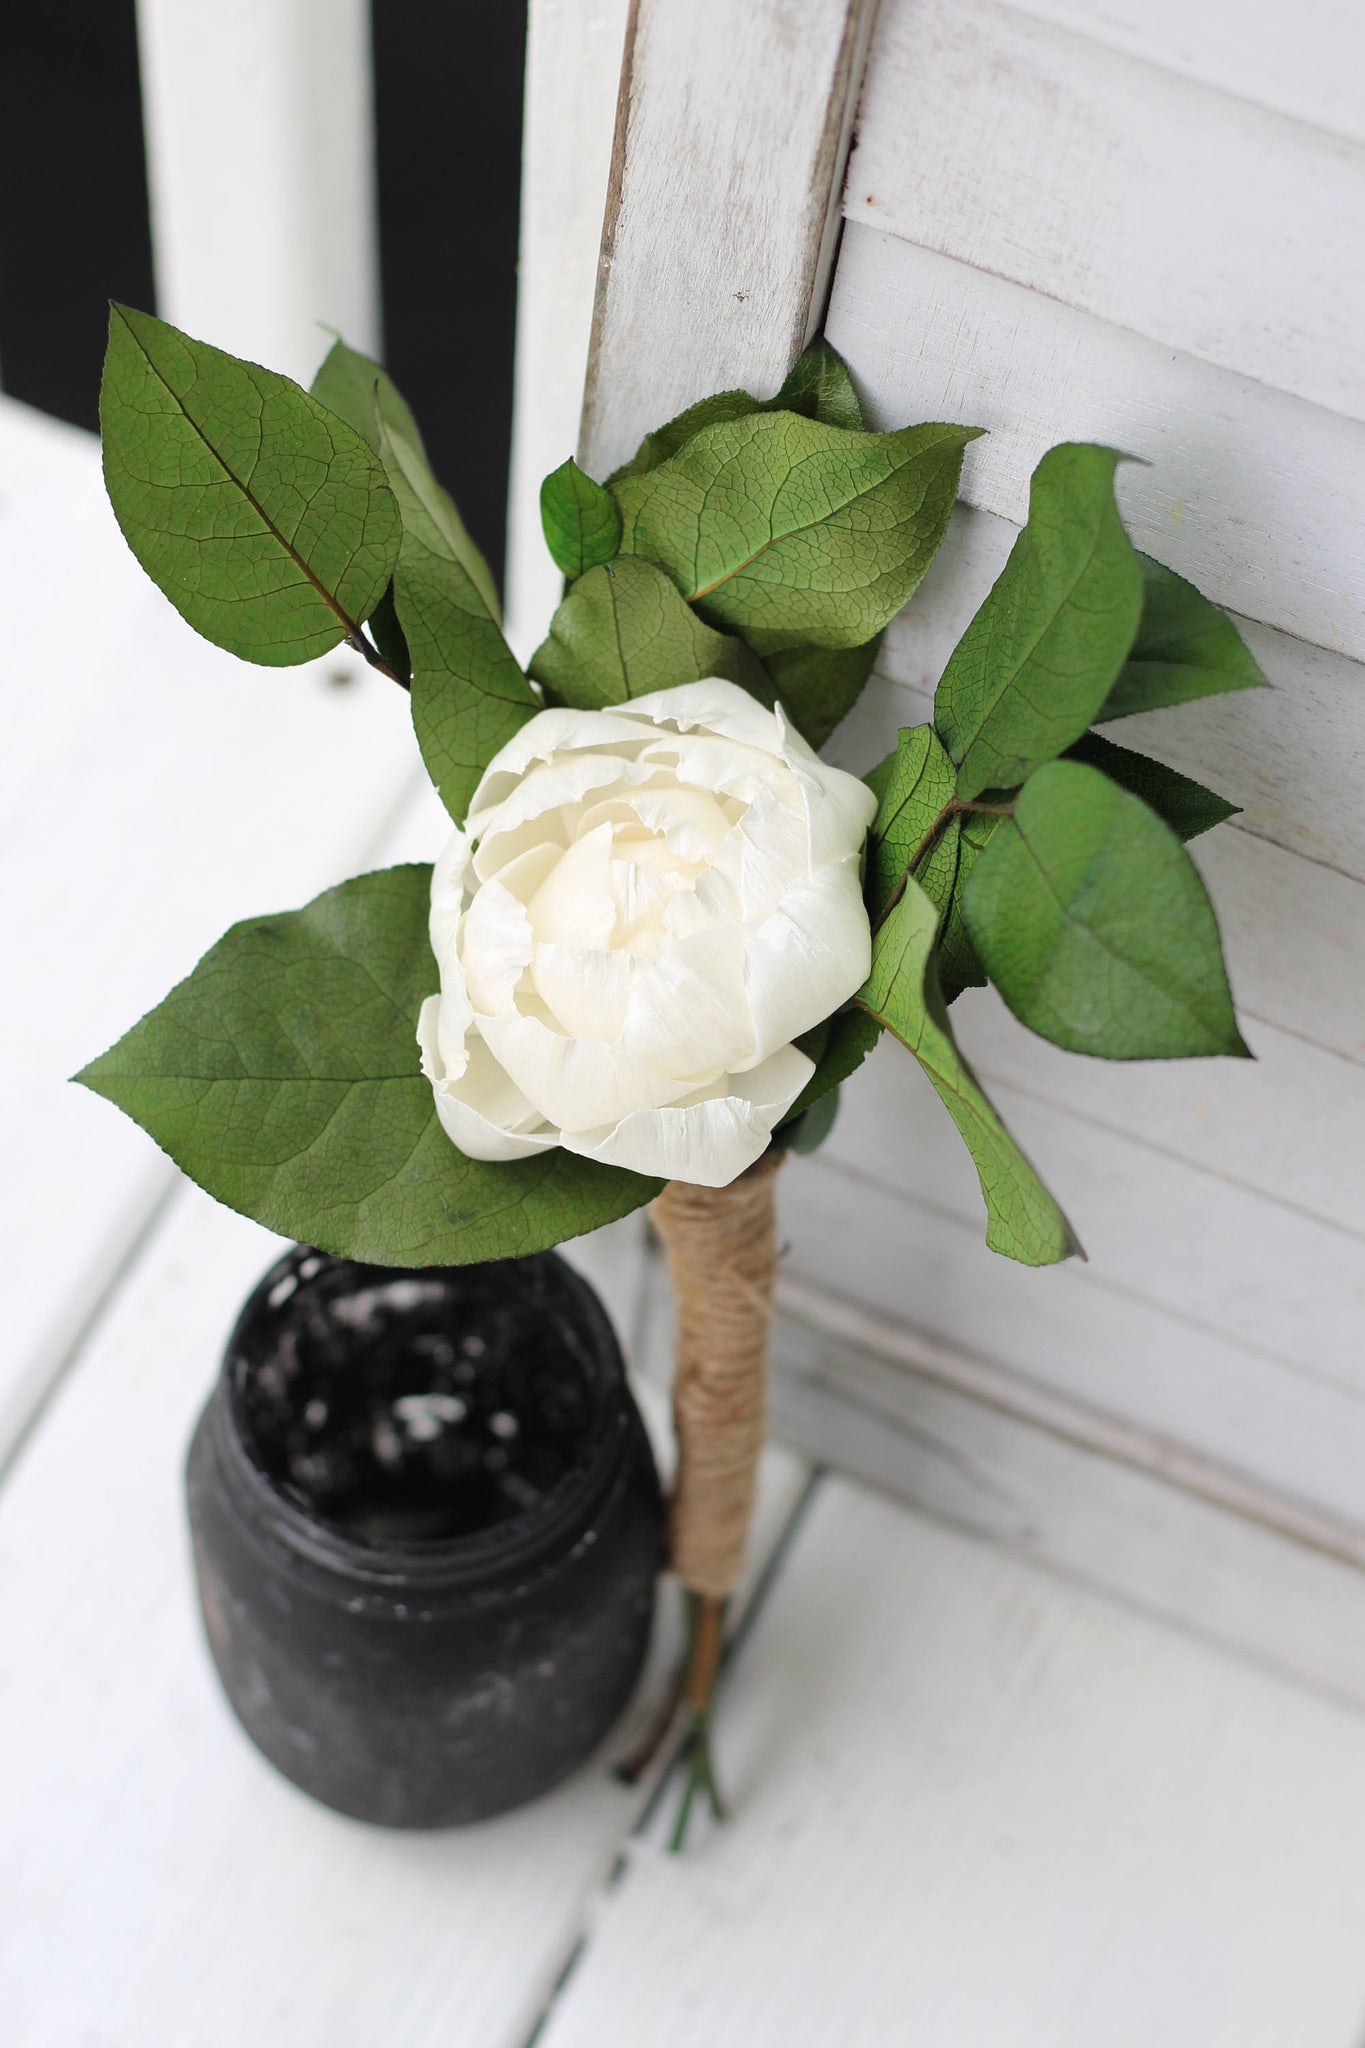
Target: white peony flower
{"points": [[646, 906]]}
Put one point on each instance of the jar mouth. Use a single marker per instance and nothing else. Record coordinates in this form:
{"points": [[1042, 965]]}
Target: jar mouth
{"points": [[445, 1468]]}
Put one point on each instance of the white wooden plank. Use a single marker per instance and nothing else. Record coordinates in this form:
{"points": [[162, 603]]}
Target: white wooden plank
{"points": [[260, 158], [221, 1905], [1119, 187], [573, 68], [731, 137], [975, 1804], [152, 790], [1178, 1323], [1250, 492], [1301, 57]]}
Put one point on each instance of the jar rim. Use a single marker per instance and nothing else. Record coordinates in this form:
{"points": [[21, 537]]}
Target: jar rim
{"points": [[475, 1560]]}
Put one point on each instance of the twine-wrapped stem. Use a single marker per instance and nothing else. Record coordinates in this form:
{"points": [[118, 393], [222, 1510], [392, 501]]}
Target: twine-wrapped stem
{"points": [[722, 1259]]}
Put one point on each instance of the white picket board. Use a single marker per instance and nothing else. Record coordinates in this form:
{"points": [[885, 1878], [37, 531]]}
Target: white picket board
{"points": [[1252, 493], [259, 122], [723, 207], [152, 790], [1160, 1328], [976, 1804], [573, 70], [1307, 59], [1119, 187]]}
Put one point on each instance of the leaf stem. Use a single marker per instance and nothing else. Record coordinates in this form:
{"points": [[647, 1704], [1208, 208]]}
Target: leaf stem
{"points": [[954, 808], [707, 1623], [355, 637]]}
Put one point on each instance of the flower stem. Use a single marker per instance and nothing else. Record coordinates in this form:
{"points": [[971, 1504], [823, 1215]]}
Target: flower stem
{"points": [[706, 1617]]}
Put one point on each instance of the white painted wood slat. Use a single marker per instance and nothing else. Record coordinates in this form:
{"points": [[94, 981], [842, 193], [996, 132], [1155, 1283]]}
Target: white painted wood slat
{"points": [[1301, 57], [1252, 493], [260, 155], [721, 218], [1121, 188], [977, 1805]]}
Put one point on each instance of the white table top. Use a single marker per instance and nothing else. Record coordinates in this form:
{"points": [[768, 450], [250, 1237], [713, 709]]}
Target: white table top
{"points": [[974, 1802]]}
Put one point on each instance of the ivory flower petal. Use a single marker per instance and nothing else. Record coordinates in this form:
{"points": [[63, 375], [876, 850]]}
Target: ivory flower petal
{"points": [[647, 905]]}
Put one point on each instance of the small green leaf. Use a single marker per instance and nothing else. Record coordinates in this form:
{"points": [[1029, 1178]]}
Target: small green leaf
{"points": [[360, 392], [1091, 919], [817, 386], [1185, 648], [819, 686], [624, 631], [958, 965], [388, 636], [917, 790], [1036, 663], [468, 694], [779, 524], [902, 995], [1187, 807], [263, 517], [838, 1046], [806, 1133], [283, 1075], [581, 522]]}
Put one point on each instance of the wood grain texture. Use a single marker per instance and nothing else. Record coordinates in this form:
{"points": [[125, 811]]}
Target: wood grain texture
{"points": [[1005, 1811], [1121, 188], [152, 790], [1252, 493], [1306, 59], [260, 158], [732, 129], [210, 1902], [573, 70]]}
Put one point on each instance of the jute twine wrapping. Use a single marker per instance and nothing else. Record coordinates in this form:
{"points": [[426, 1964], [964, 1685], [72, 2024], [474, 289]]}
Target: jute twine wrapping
{"points": [[722, 1258]]}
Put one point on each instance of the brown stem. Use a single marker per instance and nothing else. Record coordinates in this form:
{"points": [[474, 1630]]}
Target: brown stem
{"points": [[356, 638]]}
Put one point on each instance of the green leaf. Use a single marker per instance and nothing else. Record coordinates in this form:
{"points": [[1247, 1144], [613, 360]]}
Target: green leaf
{"points": [[917, 789], [263, 517], [581, 522], [1187, 807], [388, 636], [360, 392], [838, 1046], [1185, 648], [958, 965], [468, 694], [817, 386], [1091, 919], [284, 1077], [776, 523], [902, 995], [805, 1134], [819, 686], [1034, 666], [623, 631]]}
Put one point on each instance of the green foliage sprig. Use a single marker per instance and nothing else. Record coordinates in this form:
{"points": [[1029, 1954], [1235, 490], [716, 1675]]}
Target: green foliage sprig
{"points": [[767, 541]]}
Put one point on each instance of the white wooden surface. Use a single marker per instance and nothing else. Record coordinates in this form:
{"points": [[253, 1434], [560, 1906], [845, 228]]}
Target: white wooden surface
{"points": [[260, 169], [1004, 1812], [731, 133]]}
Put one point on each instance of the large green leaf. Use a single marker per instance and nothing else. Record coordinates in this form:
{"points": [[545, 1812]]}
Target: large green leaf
{"points": [[819, 686], [283, 1075], [468, 694], [1091, 919], [623, 631], [581, 522], [775, 523], [817, 386], [1187, 807], [264, 518], [902, 994], [1034, 666], [1185, 648]]}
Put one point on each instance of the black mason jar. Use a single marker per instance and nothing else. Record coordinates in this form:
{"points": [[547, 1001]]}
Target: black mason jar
{"points": [[427, 1527]]}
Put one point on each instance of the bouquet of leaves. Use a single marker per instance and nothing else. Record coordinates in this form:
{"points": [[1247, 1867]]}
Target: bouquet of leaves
{"points": [[664, 931]]}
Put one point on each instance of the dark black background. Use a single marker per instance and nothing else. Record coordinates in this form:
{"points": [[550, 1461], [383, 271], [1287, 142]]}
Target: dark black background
{"points": [[73, 215]]}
